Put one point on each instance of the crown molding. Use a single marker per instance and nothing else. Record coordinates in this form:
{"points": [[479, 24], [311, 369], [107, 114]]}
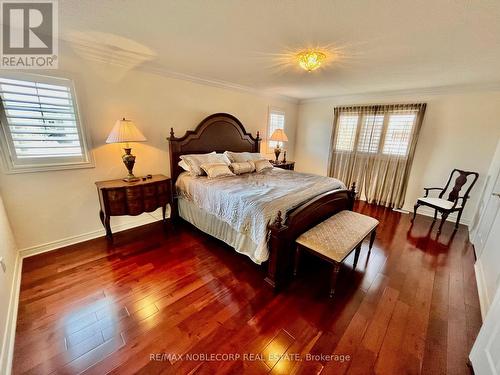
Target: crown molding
{"points": [[100, 52], [422, 91], [214, 83]]}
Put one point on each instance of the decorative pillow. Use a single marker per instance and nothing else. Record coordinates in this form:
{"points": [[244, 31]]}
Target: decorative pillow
{"points": [[184, 165], [216, 170], [244, 167], [240, 157], [194, 161], [262, 165]]}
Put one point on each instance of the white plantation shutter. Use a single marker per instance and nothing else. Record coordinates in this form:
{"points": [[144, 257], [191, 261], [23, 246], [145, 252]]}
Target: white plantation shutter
{"points": [[40, 123], [276, 121], [399, 132], [394, 129], [371, 131], [346, 132]]}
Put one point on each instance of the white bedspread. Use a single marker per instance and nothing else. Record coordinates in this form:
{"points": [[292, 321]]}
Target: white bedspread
{"points": [[250, 201]]}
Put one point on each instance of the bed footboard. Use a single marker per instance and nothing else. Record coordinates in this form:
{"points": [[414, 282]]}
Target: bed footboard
{"points": [[301, 219]]}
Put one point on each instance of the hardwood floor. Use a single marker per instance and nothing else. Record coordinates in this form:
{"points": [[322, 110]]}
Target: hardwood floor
{"points": [[139, 305]]}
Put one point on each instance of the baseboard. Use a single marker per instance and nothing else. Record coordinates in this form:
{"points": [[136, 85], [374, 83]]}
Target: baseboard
{"points": [[484, 301], [49, 246], [10, 329], [427, 211]]}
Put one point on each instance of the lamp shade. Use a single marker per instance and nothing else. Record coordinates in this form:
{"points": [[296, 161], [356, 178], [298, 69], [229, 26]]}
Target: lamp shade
{"points": [[125, 131], [279, 135]]}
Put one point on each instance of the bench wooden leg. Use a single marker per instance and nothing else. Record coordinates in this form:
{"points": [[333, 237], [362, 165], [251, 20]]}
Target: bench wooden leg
{"points": [[372, 239], [356, 255], [297, 261], [333, 281]]}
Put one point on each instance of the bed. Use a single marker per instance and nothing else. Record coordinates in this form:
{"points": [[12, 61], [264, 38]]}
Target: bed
{"points": [[258, 214]]}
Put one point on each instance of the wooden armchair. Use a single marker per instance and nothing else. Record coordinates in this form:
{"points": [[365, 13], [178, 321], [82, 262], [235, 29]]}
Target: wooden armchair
{"points": [[454, 202]]}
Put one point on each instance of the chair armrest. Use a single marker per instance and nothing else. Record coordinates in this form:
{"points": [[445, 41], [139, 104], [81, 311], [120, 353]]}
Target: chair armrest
{"points": [[432, 188], [464, 199]]}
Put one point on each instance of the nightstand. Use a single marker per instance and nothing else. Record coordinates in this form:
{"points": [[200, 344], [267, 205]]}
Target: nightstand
{"points": [[118, 197], [290, 165]]}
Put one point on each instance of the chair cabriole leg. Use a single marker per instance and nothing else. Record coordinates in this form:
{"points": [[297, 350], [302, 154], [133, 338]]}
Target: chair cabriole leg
{"points": [[458, 218], [417, 205], [444, 216]]}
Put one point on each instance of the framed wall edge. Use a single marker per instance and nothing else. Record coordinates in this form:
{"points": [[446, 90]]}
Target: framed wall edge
{"points": [[10, 326], [484, 301]]}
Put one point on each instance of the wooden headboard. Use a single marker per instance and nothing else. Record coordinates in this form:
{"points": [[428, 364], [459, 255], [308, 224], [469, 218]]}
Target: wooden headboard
{"points": [[218, 132]]}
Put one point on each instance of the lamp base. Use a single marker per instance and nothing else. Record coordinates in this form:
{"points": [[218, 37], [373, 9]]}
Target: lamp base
{"points": [[131, 179], [129, 161], [277, 152]]}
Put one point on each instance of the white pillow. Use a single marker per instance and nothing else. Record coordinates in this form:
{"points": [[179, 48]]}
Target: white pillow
{"points": [[244, 167], [216, 170], [240, 157], [262, 165], [194, 161], [184, 165]]}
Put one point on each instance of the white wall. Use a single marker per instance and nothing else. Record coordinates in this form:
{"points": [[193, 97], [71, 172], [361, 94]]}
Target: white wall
{"points": [[460, 130], [7, 293], [62, 206]]}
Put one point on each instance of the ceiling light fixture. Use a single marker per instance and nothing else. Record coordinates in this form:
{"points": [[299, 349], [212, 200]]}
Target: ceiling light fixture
{"points": [[310, 60]]}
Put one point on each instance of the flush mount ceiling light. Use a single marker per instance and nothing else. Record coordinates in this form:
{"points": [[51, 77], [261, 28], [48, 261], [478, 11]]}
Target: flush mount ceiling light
{"points": [[310, 60]]}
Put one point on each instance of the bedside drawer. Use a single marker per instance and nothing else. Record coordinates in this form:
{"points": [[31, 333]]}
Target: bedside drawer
{"points": [[163, 188], [135, 206], [116, 201], [133, 192], [149, 190], [118, 197], [150, 203], [117, 208], [115, 195]]}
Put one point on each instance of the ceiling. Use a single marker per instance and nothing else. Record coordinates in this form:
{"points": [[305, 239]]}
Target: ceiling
{"points": [[378, 45]]}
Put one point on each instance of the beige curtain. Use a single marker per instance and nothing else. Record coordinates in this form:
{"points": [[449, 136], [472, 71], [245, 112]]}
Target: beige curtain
{"points": [[374, 147]]}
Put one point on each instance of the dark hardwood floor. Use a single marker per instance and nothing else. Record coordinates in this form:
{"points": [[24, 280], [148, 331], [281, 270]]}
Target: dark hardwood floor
{"points": [[139, 305]]}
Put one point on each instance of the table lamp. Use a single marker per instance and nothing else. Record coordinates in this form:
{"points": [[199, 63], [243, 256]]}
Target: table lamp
{"points": [[278, 136], [125, 131]]}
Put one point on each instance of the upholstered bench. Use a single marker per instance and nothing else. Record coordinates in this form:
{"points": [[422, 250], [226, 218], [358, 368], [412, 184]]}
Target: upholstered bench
{"points": [[335, 238]]}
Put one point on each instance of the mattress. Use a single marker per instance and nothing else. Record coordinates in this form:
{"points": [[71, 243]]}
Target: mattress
{"points": [[246, 204]]}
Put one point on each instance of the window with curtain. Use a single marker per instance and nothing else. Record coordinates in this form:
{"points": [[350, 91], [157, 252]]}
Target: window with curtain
{"points": [[374, 146], [40, 126]]}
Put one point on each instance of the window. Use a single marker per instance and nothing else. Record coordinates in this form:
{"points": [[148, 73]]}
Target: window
{"points": [[373, 145], [276, 121], [347, 132], [40, 125]]}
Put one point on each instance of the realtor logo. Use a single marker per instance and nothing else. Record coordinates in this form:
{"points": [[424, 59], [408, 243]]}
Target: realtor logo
{"points": [[29, 34]]}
